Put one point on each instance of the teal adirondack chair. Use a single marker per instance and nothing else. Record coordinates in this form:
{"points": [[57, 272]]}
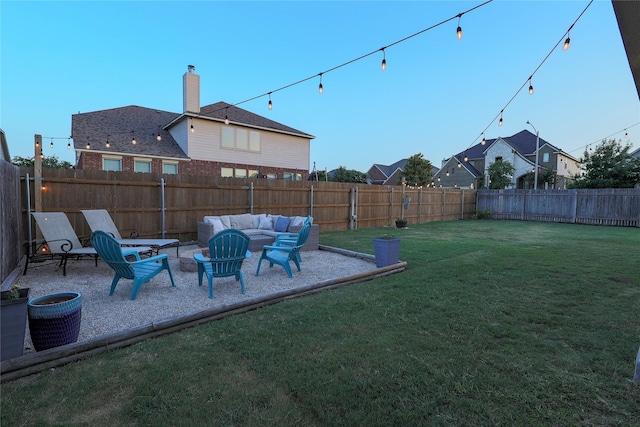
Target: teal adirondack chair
{"points": [[227, 250], [283, 254], [140, 271]]}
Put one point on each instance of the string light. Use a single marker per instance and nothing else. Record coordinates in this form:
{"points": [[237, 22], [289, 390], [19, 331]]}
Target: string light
{"points": [[37, 143], [51, 144], [567, 42], [107, 144], [466, 159], [226, 116], [192, 128], [459, 29], [158, 136], [88, 146], [383, 66], [133, 137], [320, 88], [626, 134], [41, 154], [565, 47], [484, 141], [68, 143]]}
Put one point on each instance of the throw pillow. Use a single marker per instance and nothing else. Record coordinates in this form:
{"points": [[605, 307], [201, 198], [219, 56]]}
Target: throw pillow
{"points": [[241, 222], [266, 223], [281, 224], [217, 225], [256, 220]]}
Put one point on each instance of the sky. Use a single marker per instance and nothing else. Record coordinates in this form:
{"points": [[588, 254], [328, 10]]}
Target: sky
{"points": [[437, 95]]}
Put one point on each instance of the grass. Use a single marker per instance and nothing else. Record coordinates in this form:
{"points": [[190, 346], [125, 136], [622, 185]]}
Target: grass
{"points": [[492, 323]]}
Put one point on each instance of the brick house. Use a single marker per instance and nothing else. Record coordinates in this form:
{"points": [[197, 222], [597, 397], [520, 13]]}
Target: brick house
{"points": [[218, 139], [469, 168]]}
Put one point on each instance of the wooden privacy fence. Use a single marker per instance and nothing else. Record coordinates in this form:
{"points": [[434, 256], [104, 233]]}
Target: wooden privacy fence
{"points": [[172, 205], [617, 206], [11, 238]]}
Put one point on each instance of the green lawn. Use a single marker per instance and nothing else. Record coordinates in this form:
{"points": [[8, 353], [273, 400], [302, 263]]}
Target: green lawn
{"points": [[492, 323]]}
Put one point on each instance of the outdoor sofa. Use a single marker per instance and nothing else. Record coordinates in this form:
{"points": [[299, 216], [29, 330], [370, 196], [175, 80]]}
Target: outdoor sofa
{"points": [[262, 229]]}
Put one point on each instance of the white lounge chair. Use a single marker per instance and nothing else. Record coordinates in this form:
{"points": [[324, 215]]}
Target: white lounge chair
{"points": [[100, 220], [60, 240]]}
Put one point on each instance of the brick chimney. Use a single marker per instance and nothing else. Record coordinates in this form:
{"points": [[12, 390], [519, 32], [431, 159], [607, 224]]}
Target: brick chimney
{"points": [[191, 91]]}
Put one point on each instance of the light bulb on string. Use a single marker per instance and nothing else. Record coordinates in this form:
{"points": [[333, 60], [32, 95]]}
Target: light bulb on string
{"points": [[192, 128], [51, 144], [226, 116], [500, 121], [459, 164], [530, 87], [41, 154], [383, 66], [459, 29], [626, 134], [88, 146], [466, 158], [270, 104], [567, 42], [158, 136], [68, 143], [133, 138], [320, 88], [107, 144], [484, 141]]}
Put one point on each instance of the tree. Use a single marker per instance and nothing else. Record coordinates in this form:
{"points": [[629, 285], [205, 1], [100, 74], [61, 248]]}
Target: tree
{"points": [[609, 165], [417, 172], [322, 176], [342, 174], [500, 174], [47, 162], [545, 175]]}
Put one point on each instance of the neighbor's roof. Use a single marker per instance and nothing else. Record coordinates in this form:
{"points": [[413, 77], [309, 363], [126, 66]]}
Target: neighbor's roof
{"points": [[120, 125]]}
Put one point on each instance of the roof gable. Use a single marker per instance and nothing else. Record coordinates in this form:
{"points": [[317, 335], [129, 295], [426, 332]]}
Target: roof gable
{"points": [[222, 110]]}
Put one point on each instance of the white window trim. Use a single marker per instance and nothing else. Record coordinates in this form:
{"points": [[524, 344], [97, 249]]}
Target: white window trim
{"points": [[111, 157], [170, 162]]}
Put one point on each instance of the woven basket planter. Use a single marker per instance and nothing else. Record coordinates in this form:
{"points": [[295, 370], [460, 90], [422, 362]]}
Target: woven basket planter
{"points": [[54, 319]]}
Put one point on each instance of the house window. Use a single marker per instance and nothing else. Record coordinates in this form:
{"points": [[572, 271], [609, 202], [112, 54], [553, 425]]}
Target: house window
{"points": [[112, 164], [170, 168], [226, 172], [292, 176], [545, 157], [142, 166], [241, 173], [272, 176], [253, 173], [240, 139]]}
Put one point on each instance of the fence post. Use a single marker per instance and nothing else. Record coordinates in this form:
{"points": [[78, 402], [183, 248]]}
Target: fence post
{"points": [[391, 206], [311, 198], [251, 197], [352, 208], [444, 202], [162, 208], [462, 206], [420, 206], [28, 197]]}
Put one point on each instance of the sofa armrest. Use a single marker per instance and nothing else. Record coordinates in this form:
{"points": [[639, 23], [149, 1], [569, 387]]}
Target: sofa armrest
{"points": [[205, 231]]}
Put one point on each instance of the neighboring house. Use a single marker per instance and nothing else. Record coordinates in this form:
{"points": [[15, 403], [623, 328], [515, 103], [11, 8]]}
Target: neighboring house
{"points": [[469, 168], [386, 175], [389, 175], [4, 147], [216, 140], [636, 153]]}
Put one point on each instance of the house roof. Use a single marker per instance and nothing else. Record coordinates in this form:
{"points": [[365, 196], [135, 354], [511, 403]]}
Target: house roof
{"points": [[523, 142], [120, 125], [222, 110]]}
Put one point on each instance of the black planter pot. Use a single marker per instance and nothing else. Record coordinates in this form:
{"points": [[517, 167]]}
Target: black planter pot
{"points": [[13, 324], [401, 223], [54, 319]]}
